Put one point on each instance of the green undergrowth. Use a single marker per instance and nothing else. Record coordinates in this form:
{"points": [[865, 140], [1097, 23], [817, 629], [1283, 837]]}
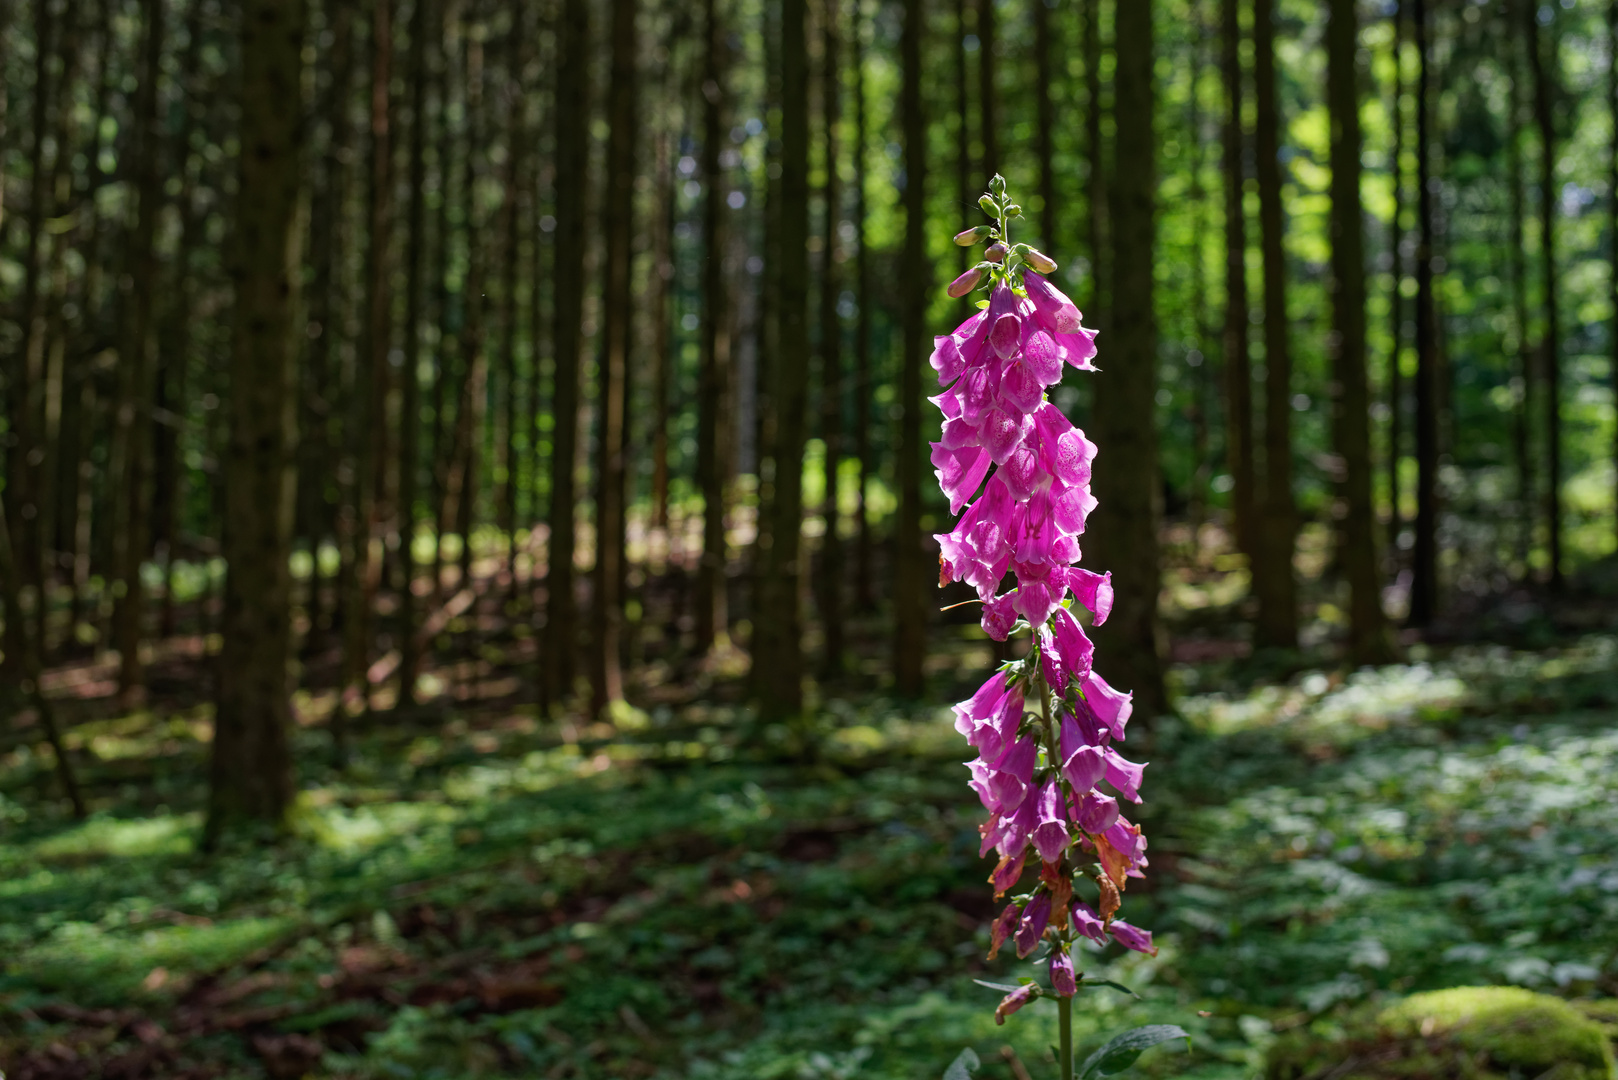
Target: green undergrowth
{"points": [[478, 897]]}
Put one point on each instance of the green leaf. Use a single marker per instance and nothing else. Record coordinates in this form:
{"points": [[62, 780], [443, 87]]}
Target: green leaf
{"points": [[1108, 982], [1006, 987], [983, 303], [1121, 1052], [962, 1067]]}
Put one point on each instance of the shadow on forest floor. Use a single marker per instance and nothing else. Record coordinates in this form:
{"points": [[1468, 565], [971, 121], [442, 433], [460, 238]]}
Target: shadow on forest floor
{"points": [[480, 897]]}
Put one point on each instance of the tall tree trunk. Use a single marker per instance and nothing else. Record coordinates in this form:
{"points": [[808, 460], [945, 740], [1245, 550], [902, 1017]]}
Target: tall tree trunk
{"points": [[1095, 182], [1236, 345], [174, 371], [777, 634], [1368, 640], [714, 398], [505, 433], [1544, 74], [1612, 224], [135, 363], [367, 408], [1522, 410], [964, 181], [1196, 357], [988, 96], [410, 397], [572, 167], [909, 565], [25, 382], [330, 235], [662, 276], [446, 360], [26, 663], [1128, 484], [1396, 304], [606, 598], [1424, 562], [831, 351], [473, 405], [863, 387], [252, 761], [1045, 122], [1274, 582]]}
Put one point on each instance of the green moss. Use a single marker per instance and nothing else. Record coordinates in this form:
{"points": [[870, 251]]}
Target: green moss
{"points": [[1466, 1033]]}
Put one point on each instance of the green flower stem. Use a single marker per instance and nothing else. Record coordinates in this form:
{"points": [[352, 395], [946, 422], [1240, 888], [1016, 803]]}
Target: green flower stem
{"points": [[1064, 1028]]}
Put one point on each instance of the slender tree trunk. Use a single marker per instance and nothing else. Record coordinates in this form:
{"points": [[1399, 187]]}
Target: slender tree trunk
{"points": [[472, 408], [367, 406], [1544, 73], [606, 598], [517, 143], [135, 362], [410, 397], [662, 276], [1612, 226], [831, 351], [1424, 563], [26, 664], [863, 385], [1127, 481], [444, 389], [988, 96], [1095, 182], [1396, 304], [1196, 356], [1274, 581], [1236, 346], [777, 634], [1522, 410], [572, 166], [714, 398], [252, 762], [1368, 641], [909, 570], [175, 367], [1045, 122], [329, 239], [963, 137]]}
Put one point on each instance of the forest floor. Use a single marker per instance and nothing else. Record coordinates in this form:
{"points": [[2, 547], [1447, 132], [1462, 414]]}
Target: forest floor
{"points": [[483, 893]]}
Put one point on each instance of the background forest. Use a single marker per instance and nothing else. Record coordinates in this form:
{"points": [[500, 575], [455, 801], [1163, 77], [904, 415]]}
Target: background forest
{"points": [[468, 561]]}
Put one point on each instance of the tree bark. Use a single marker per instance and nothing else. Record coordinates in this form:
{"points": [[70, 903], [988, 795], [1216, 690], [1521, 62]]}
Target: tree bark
{"points": [[572, 166], [515, 180], [863, 385], [606, 598], [714, 399], [1396, 304], [1095, 182], [410, 396], [1128, 485], [910, 582], [777, 633], [135, 365], [1236, 344], [831, 351], [1274, 581], [251, 774], [471, 409], [1544, 74], [1368, 640], [1424, 562], [988, 96], [662, 276], [1044, 123]]}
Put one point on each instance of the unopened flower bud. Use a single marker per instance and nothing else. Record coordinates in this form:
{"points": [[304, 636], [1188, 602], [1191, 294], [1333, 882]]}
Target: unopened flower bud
{"points": [[996, 252], [1041, 262], [1062, 979], [1013, 211], [997, 185], [965, 283], [989, 207], [1016, 1000], [968, 237]]}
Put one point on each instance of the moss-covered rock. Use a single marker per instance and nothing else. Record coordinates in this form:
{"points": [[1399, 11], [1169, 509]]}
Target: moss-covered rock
{"points": [[1467, 1033]]}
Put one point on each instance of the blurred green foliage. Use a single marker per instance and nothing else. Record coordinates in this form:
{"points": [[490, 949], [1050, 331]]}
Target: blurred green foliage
{"points": [[480, 898]]}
